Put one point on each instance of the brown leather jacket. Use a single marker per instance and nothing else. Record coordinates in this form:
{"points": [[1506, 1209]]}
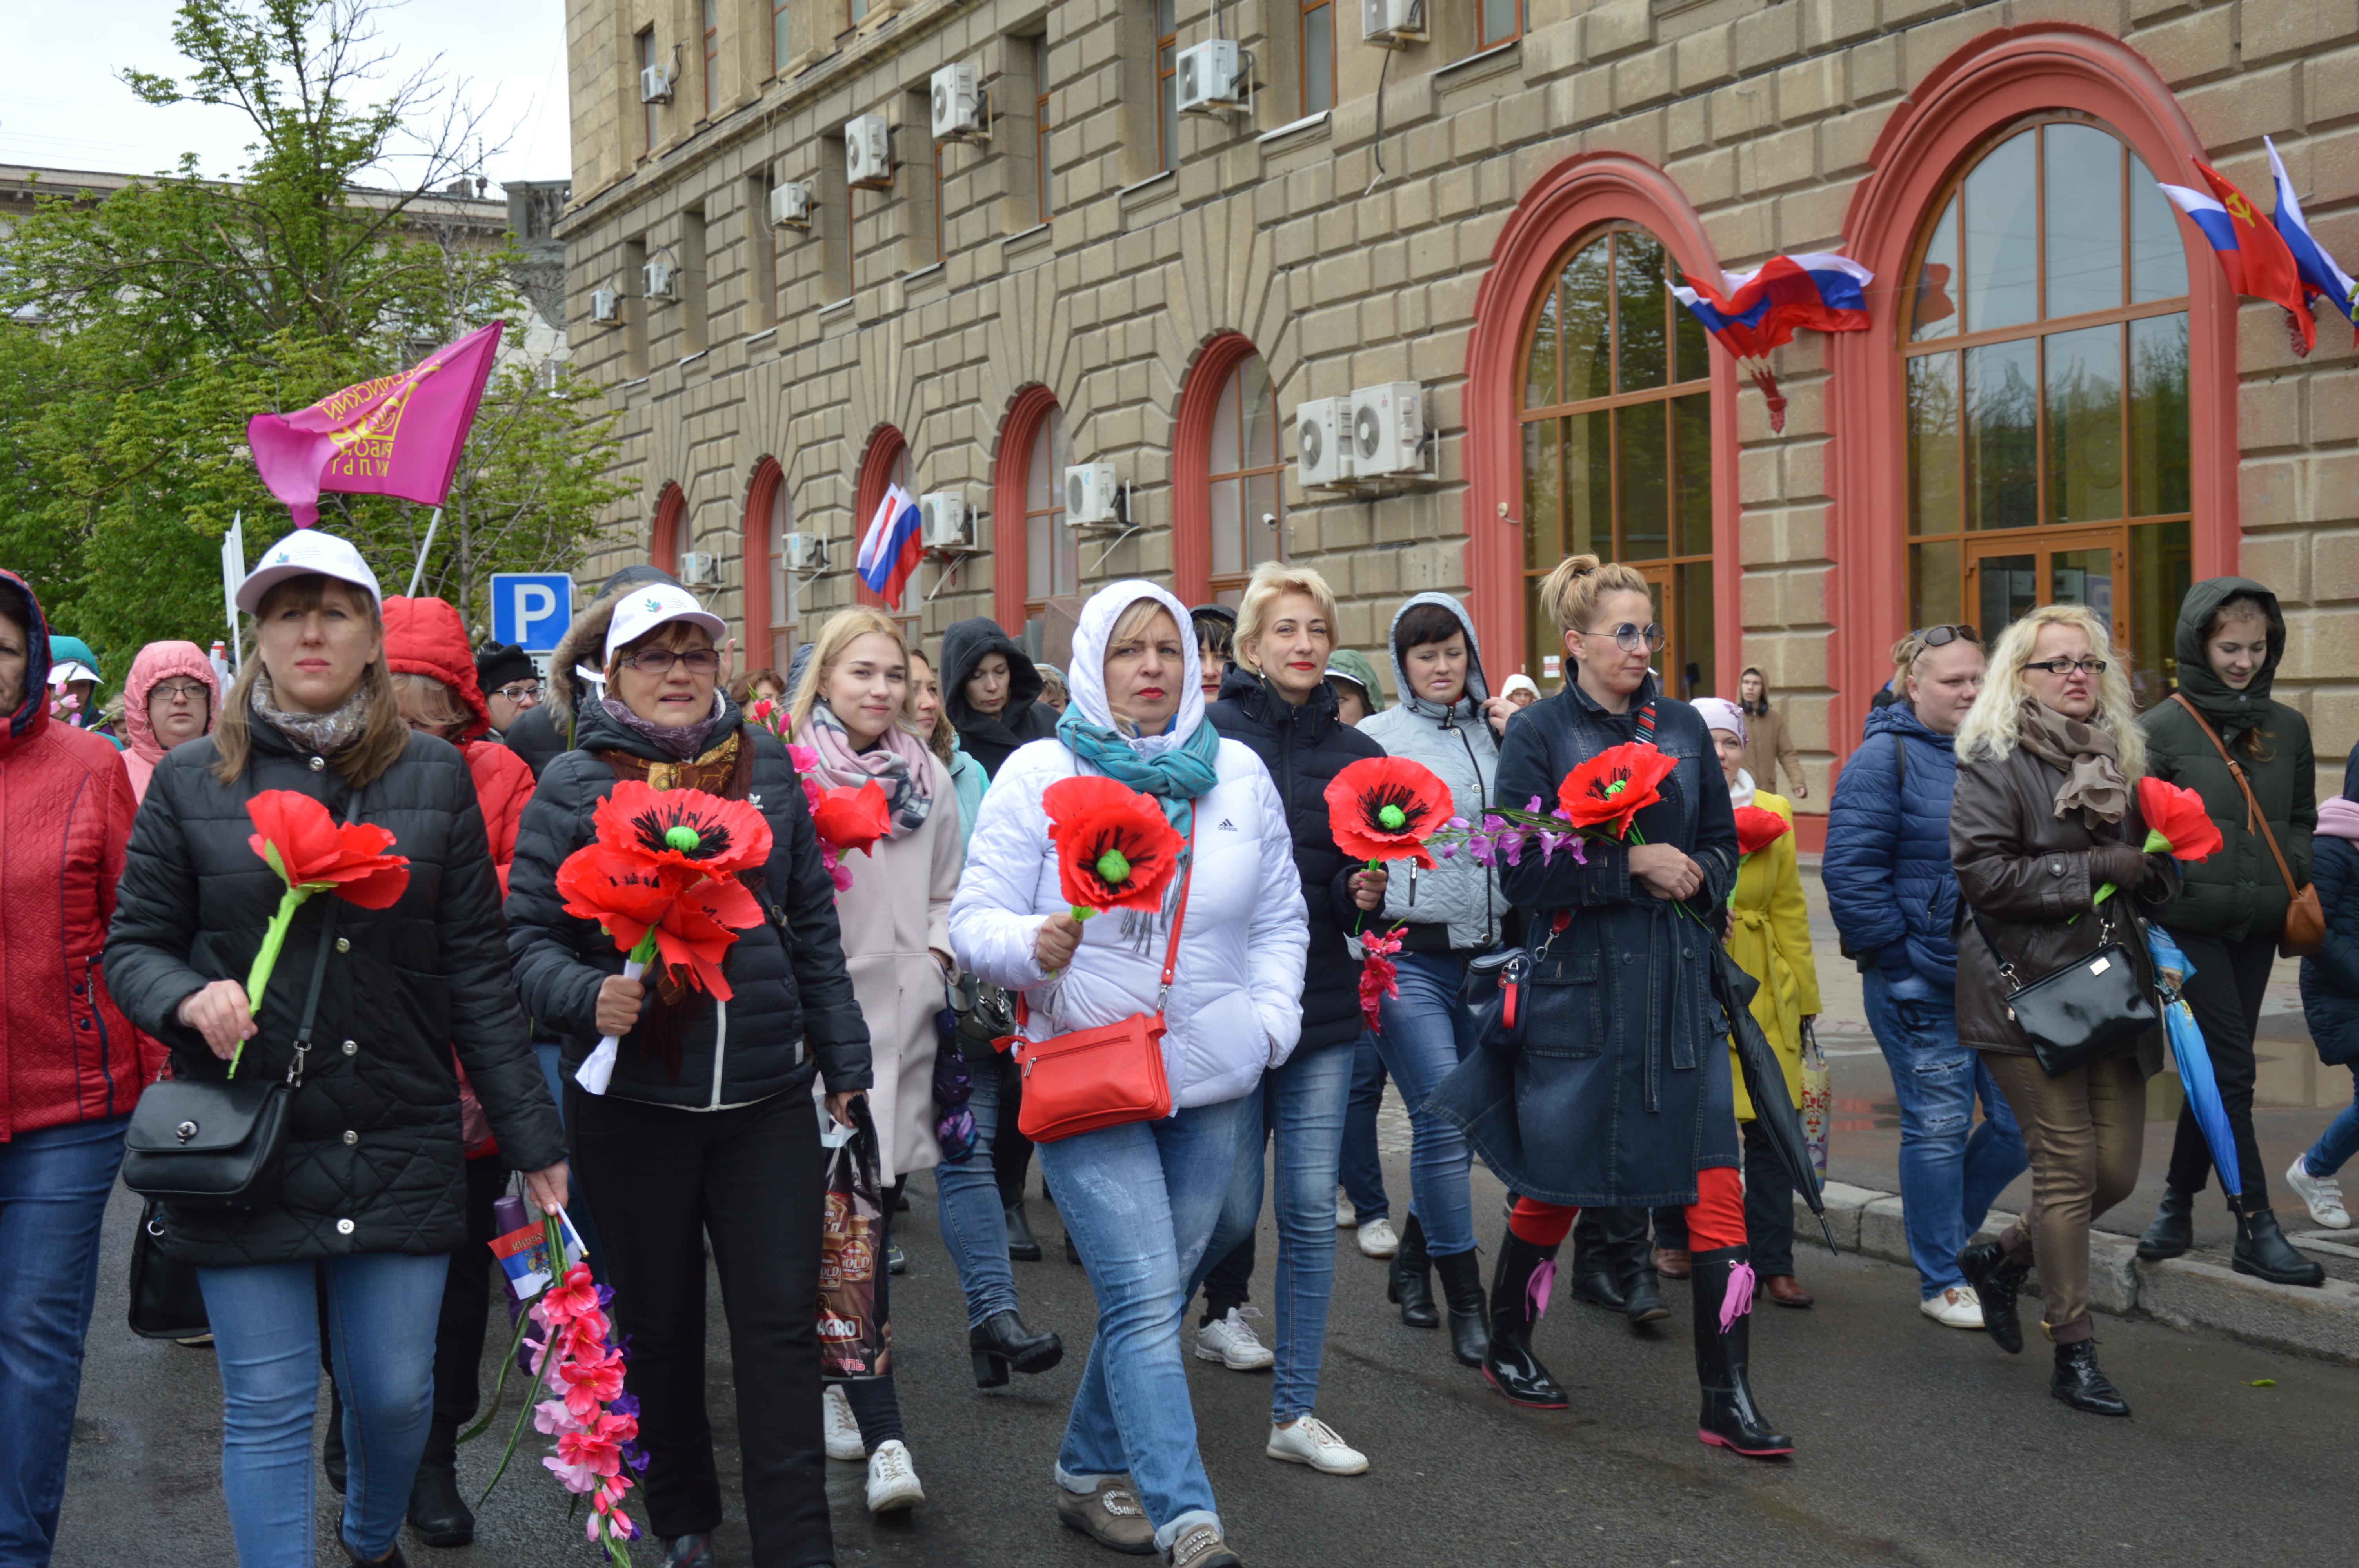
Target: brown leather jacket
{"points": [[2026, 870]]}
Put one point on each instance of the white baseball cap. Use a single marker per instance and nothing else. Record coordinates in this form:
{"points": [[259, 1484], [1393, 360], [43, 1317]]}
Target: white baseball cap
{"points": [[646, 606], [307, 550]]}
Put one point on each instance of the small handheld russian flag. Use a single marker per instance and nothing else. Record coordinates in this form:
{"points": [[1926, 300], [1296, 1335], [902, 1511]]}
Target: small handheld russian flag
{"points": [[889, 550], [2252, 253], [2320, 273], [1765, 308]]}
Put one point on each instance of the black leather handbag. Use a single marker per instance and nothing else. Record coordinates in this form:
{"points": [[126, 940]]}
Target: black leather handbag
{"points": [[166, 1301], [1497, 992], [2080, 1010]]}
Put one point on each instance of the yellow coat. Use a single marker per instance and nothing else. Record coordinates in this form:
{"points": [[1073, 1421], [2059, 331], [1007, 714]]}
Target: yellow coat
{"points": [[1769, 937]]}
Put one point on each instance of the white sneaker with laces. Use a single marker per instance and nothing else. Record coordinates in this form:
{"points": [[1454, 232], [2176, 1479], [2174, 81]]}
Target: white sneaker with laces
{"points": [[1346, 1216], [1312, 1442], [2322, 1194], [892, 1479], [1957, 1307], [1232, 1343], [1378, 1239], [843, 1429]]}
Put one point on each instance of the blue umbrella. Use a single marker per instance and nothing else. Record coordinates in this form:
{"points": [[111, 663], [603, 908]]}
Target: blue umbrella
{"points": [[2194, 1061]]}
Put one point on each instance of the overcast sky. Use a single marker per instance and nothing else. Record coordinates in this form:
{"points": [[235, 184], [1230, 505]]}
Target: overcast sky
{"points": [[61, 107]]}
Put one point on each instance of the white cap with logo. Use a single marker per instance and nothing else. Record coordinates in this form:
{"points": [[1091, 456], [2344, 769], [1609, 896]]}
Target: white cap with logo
{"points": [[645, 607], [302, 553]]}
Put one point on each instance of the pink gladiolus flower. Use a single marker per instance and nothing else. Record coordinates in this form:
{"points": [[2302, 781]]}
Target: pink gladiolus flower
{"points": [[574, 1296], [588, 1450], [576, 1477], [551, 1417], [589, 1383]]}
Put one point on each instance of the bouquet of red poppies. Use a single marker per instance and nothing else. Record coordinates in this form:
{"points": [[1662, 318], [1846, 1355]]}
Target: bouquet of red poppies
{"points": [[2176, 825], [312, 852], [660, 876], [1115, 850]]}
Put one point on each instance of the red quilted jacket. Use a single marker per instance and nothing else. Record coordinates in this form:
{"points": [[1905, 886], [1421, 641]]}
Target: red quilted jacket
{"points": [[67, 1052]]}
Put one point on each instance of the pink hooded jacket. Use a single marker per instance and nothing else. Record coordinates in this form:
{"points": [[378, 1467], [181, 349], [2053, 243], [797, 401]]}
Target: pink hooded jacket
{"points": [[157, 663]]}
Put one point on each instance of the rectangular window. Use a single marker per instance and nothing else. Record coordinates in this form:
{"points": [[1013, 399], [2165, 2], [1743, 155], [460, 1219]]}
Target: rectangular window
{"points": [[1041, 125], [855, 13], [635, 305], [782, 48], [761, 255], [1503, 22], [646, 57], [712, 59], [1318, 43], [834, 220], [921, 197], [1167, 85], [694, 325]]}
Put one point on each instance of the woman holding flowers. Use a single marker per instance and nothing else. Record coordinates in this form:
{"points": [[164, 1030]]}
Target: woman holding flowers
{"points": [[705, 1132], [1141, 1196], [1618, 1092], [370, 1180]]}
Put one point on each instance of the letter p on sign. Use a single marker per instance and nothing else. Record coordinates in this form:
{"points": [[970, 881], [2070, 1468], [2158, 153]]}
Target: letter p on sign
{"points": [[531, 609]]}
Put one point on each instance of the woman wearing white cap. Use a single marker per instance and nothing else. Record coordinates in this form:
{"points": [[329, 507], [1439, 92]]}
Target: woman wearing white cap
{"points": [[706, 1130], [368, 1183]]}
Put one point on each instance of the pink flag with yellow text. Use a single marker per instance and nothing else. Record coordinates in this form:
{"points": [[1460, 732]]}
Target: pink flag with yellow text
{"points": [[397, 435]]}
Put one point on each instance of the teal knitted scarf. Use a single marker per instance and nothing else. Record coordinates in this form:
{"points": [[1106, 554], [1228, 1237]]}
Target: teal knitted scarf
{"points": [[1176, 775]]}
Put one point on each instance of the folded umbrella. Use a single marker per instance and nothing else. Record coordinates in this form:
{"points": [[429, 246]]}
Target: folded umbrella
{"points": [[2171, 969], [1765, 1081]]}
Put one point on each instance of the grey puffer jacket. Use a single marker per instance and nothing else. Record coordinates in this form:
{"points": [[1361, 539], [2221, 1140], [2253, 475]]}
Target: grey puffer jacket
{"points": [[1456, 742]]}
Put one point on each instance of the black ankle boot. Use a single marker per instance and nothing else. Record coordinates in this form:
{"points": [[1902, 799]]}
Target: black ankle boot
{"points": [[436, 1511], [1519, 1294], [1409, 1285], [1627, 1240], [2078, 1384], [2262, 1251], [1997, 1282], [1642, 1304], [1724, 1326], [2173, 1231], [1001, 1341], [1461, 1288], [1022, 1245], [1595, 1280]]}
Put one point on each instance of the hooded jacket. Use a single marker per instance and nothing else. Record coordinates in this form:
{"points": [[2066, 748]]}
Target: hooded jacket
{"points": [[68, 1053], [2329, 977], [2238, 892], [426, 637], [1768, 745], [74, 650], [1889, 883], [1354, 668], [157, 663], [1233, 1010], [991, 737], [544, 732], [1456, 742]]}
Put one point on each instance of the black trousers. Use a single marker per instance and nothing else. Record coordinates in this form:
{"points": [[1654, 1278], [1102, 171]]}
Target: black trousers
{"points": [[467, 1301], [1768, 1208], [663, 1181], [2225, 993], [1011, 1152]]}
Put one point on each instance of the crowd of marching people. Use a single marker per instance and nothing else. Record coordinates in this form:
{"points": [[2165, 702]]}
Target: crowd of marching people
{"points": [[1614, 1022]]}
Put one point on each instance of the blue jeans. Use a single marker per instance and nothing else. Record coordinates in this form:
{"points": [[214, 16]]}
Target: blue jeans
{"points": [[53, 1189], [1363, 1168], [1951, 1170], [1428, 1031], [2340, 1141], [1141, 1200], [382, 1312], [1302, 1103], [973, 1224]]}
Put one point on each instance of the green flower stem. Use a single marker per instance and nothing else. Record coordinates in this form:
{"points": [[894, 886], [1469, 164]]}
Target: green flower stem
{"points": [[274, 937], [645, 950], [553, 1237], [2156, 844]]}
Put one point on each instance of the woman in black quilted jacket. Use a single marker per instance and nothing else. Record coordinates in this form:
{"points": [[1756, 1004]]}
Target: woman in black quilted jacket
{"points": [[367, 1193], [706, 1130]]}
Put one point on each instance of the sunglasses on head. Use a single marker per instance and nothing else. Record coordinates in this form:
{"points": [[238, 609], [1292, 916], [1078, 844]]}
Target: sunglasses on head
{"points": [[1941, 637]]}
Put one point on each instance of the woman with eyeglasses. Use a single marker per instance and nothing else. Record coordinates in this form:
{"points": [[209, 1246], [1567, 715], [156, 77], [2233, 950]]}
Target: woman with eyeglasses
{"points": [[168, 699], [1618, 1091], [2045, 815], [510, 683]]}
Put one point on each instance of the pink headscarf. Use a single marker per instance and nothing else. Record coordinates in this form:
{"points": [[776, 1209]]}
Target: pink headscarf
{"points": [[157, 663]]}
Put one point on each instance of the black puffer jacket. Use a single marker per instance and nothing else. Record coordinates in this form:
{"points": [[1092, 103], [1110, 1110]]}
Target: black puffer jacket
{"points": [[992, 738], [792, 1000], [374, 1160], [1304, 748]]}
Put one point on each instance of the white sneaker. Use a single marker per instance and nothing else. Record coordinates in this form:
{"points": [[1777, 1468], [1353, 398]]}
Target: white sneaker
{"points": [[842, 1428], [1957, 1307], [1312, 1442], [1346, 1216], [2323, 1193], [1232, 1343], [892, 1479], [1377, 1239]]}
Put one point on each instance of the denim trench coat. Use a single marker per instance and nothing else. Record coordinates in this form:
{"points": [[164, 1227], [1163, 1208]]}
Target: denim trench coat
{"points": [[1618, 1092]]}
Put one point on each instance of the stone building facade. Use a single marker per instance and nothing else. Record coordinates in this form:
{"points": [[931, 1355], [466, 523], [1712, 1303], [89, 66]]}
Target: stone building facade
{"points": [[2057, 396]]}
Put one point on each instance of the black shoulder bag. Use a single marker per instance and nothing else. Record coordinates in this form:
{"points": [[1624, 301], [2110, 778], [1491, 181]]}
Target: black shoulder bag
{"points": [[2080, 1010]]}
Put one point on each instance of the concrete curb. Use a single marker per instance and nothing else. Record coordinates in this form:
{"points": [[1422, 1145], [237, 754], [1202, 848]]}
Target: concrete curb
{"points": [[2182, 1292]]}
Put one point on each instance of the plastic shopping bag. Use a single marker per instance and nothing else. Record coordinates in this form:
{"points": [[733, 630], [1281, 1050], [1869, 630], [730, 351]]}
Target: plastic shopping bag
{"points": [[854, 1339]]}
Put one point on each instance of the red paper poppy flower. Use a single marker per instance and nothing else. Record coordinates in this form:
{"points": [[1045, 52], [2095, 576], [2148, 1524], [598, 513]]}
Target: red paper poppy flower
{"points": [[1757, 827], [695, 917], [311, 851], [685, 827], [852, 819], [1115, 850], [1385, 809], [1613, 786], [2175, 815]]}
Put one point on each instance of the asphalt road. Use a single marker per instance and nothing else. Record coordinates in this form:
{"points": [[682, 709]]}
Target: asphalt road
{"points": [[1918, 1445]]}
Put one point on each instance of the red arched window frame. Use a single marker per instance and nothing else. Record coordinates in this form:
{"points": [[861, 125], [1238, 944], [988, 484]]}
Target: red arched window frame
{"points": [[1578, 195], [1191, 464], [755, 560], [2000, 77], [1011, 477], [663, 543], [886, 447]]}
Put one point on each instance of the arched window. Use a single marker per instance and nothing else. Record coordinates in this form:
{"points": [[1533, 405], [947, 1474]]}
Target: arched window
{"points": [[1228, 500], [770, 608], [663, 543], [2045, 334], [1036, 556], [886, 463], [1616, 410]]}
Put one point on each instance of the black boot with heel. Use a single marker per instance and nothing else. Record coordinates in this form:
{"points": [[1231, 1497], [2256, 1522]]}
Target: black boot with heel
{"points": [[1723, 1326], [1001, 1341], [2263, 1252], [1409, 1285]]}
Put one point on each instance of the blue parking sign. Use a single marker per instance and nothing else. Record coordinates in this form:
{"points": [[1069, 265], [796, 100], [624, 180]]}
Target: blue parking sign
{"points": [[531, 609]]}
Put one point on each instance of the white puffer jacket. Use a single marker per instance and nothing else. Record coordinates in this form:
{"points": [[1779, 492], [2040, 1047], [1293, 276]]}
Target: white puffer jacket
{"points": [[1233, 1012]]}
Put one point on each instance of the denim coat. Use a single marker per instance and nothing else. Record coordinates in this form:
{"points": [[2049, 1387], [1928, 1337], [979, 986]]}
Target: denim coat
{"points": [[1619, 1091]]}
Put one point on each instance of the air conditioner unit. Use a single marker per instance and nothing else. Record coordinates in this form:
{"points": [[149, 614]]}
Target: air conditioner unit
{"points": [[867, 152], [1209, 78], [946, 523], [1322, 448], [700, 568], [1387, 429], [806, 553], [1393, 22], [1090, 494], [957, 102], [654, 84], [605, 306], [662, 279], [791, 205]]}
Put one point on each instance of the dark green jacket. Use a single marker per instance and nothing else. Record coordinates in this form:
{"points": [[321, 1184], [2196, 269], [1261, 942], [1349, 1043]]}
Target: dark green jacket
{"points": [[2237, 892]]}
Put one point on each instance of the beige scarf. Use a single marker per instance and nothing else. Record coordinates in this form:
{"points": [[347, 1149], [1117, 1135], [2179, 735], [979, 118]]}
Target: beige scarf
{"points": [[2087, 753]]}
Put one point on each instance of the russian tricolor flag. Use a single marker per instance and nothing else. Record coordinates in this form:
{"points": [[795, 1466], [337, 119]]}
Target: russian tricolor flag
{"points": [[1766, 306], [2251, 253], [2318, 269], [889, 550]]}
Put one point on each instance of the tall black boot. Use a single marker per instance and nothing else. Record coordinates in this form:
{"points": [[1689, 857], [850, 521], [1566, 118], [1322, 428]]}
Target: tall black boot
{"points": [[1519, 1294], [2078, 1382], [1409, 1285], [2173, 1231], [1461, 1288], [1625, 1231], [1596, 1276], [436, 1511], [1723, 1323], [2262, 1251]]}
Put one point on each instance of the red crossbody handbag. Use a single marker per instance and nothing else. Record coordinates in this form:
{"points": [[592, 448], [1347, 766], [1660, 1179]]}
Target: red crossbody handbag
{"points": [[1090, 1078]]}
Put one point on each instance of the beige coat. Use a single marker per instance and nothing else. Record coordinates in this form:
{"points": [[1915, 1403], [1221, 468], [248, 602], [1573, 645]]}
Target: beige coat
{"points": [[897, 907]]}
